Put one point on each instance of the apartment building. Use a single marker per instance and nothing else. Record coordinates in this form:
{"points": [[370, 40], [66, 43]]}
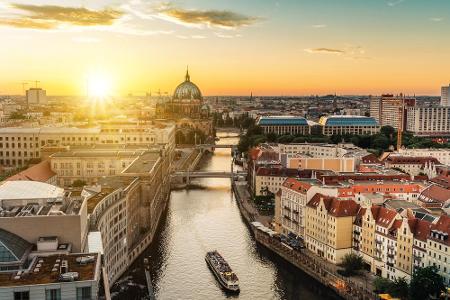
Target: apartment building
{"points": [[89, 165], [413, 165], [342, 125], [20, 145], [438, 247], [389, 110], [329, 223], [442, 155], [445, 95], [429, 121], [126, 210]]}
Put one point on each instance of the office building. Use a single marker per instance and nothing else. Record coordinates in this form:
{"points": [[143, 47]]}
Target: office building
{"points": [[284, 125], [429, 121], [341, 125], [445, 95], [388, 109], [36, 96]]}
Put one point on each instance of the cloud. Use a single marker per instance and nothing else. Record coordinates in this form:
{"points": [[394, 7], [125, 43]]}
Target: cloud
{"points": [[319, 26], [211, 18], [227, 36], [52, 16], [394, 3], [436, 19], [325, 51], [348, 52]]}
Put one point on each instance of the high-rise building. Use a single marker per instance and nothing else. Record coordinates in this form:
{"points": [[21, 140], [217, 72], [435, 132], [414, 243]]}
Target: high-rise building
{"points": [[445, 95], [429, 121], [385, 109], [36, 96]]}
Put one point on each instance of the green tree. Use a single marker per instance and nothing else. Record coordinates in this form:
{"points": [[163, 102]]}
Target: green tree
{"points": [[285, 139], [380, 142], [426, 283], [381, 284], [244, 144], [271, 137], [388, 131], [351, 263], [399, 288]]}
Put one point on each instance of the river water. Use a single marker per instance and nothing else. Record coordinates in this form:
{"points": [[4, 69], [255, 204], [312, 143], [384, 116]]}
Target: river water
{"points": [[206, 218]]}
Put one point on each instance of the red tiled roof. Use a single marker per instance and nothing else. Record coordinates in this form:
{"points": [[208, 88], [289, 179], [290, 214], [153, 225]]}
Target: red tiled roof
{"points": [[334, 206], [40, 172], [395, 159], [254, 153], [296, 185], [443, 226], [442, 181], [383, 216], [420, 228], [435, 193]]}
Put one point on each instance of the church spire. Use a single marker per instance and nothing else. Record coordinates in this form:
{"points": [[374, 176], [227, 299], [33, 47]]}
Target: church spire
{"points": [[188, 78]]}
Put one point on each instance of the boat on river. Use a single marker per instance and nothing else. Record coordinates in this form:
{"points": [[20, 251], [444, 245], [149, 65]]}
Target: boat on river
{"points": [[222, 271]]}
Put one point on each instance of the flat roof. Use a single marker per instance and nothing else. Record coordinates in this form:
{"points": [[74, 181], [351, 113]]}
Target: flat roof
{"points": [[28, 190], [45, 275], [143, 164], [98, 153]]}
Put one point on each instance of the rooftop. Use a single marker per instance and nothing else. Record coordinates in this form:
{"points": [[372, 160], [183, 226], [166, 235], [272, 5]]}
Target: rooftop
{"points": [[347, 120], [143, 164], [39, 172], [282, 120], [28, 190], [46, 273]]}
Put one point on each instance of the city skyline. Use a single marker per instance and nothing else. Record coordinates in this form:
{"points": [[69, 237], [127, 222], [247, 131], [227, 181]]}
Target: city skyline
{"points": [[231, 47]]}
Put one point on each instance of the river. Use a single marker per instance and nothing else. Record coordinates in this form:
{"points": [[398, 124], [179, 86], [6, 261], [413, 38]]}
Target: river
{"points": [[206, 218]]}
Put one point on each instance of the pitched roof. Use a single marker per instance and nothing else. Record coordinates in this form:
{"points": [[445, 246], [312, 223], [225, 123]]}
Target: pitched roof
{"points": [[420, 228], [397, 159], [40, 172], [334, 206], [435, 193], [295, 185], [443, 226], [383, 216]]}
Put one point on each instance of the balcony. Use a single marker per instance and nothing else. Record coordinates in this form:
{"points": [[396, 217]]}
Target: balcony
{"points": [[295, 212], [356, 232], [417, 258], [287, 208], [356, 248], [378, 241], [287, 217], [390, 247], [390, 255]]}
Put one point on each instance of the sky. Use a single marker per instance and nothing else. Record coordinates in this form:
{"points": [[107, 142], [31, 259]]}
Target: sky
{"points": [[232, 47]]}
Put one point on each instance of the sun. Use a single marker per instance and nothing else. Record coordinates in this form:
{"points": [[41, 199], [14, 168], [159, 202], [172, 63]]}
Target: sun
{"points": [[99, 86]]}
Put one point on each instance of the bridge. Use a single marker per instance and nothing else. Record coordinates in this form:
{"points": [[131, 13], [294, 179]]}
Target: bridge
{"points": [[207, 174], [207, 146]]}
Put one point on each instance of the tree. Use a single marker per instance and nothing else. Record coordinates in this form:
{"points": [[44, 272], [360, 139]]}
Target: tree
{"points": [[426, 283], [381, 284], [244, 144], [387, 131], [351, 263], [380, 142], [399, 288], [271, 137]]}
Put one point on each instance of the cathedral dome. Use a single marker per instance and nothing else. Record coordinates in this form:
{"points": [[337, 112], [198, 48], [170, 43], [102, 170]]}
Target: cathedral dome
{"points": [[187, 90]]}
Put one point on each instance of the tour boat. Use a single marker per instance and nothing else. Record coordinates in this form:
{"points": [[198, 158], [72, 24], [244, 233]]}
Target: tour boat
{"points": [[222, 270]]}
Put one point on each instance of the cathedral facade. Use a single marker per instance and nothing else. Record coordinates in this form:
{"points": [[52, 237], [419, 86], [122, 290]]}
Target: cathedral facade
{"points": [[187, 109]]}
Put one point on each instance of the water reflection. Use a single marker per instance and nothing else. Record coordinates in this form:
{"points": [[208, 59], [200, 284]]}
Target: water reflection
{"points": [[204, 218]]}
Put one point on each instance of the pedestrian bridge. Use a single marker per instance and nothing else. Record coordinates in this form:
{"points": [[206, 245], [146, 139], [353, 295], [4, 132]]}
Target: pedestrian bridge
{"points": [[208, 146], [208, 174]]}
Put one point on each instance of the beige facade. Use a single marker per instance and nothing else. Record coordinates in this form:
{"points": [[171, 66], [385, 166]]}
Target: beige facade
{"points": [[334, 164]]}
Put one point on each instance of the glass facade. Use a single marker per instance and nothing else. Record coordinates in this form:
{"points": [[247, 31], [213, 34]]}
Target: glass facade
{"points": [[12, 247]]}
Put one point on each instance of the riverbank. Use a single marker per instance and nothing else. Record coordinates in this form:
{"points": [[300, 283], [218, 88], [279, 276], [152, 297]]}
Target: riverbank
{"points": [[322, 271]]}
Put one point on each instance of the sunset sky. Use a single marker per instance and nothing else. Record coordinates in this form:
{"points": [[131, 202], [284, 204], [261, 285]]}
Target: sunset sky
{"points": [[232, 47]]}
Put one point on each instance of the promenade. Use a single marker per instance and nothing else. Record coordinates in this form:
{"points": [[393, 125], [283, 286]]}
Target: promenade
{"points": [[351, 288]]}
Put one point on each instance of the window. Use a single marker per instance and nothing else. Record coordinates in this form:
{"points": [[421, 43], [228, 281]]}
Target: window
{"points": [[25, 295], [84, 293], [53, 294]]}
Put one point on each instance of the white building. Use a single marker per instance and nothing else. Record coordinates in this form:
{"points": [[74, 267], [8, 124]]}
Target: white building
{"points": [[445, 95], [429, 121], [442, 155], [36, 96]]}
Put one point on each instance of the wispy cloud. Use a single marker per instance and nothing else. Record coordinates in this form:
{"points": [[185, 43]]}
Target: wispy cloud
{"points": [[325, 51], [52, 16], [349, 52], [227, 36], [319, 26], [395, 3], [436, 19], [211, 18]]}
